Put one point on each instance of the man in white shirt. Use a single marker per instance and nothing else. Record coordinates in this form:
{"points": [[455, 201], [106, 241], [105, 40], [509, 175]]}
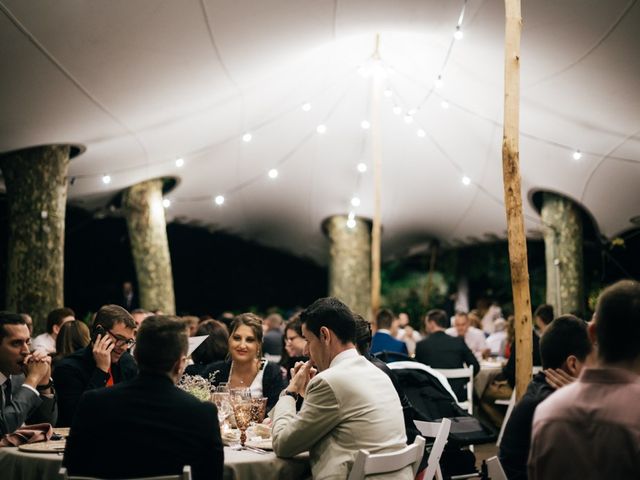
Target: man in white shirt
{"points": [[46, 342], [349, 405], [473, 337]]}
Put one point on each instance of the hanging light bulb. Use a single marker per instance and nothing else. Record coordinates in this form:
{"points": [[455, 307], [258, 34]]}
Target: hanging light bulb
{"points": [[351, 223], [321, 129], [247, 137], [355, 201], [577, 155], [351, 215], [362, 167], [439, 83], [365, 125], [458, 35], [106, 179], [306, 107], [166, 203], [179, 162], [421, 133], [466, 181], [273, 173], [444, 104], [219, 200]]}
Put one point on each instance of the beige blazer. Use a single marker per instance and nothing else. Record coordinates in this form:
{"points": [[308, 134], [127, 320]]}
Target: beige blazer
{"points": [[350, 406]]}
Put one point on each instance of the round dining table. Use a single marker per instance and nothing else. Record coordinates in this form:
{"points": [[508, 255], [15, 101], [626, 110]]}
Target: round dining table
{"points": [[238, 465]]}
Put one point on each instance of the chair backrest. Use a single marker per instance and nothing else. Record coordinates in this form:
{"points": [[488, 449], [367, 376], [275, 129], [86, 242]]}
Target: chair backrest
{"points": [[466, 372], [439, 431], [185, 475], [495, 470], [421, 366], [370, 464]]}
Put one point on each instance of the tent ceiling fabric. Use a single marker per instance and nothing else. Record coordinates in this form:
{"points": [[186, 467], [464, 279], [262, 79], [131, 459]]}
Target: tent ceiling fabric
{"points": [[143, 83]]}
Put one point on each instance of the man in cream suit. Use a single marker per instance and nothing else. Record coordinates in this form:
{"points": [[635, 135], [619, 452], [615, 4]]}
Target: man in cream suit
{"points": [[349, 405]]}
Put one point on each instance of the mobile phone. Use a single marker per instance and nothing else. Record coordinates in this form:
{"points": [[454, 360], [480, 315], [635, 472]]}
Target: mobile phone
{"points": [[99, 330]]}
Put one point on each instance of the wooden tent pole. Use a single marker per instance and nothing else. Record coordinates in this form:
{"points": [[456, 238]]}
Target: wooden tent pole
{"points": [[377, 178], [513, 197]]}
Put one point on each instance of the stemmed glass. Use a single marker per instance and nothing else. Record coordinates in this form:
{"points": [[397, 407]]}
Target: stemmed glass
{"points": [[258, 409], [242, 412], [222, 400]]}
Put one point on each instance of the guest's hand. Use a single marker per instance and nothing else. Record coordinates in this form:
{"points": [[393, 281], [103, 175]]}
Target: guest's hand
{"points": [[301, 373], [102, 352], [558, 378], [37, 368]]}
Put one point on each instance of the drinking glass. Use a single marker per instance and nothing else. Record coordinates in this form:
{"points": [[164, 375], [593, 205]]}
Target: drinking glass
{"points": [[258, 409], [242, 412], [223, 403], [240, 394]]}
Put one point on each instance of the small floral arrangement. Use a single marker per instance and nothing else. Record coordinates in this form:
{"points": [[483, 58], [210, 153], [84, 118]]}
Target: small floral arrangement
{"points": [[197, 386]]}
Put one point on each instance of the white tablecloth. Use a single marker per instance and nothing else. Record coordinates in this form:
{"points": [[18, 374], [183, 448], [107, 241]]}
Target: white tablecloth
{"points": [[238, 465]]}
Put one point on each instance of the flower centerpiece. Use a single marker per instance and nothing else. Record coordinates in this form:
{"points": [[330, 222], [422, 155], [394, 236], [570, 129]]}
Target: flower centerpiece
{"points": [[197, 386]]}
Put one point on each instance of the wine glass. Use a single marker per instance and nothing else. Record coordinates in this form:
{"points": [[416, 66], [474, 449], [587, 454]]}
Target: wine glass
{"points": [[240, 393], [242, 412], [222, 401], [258, 409]]}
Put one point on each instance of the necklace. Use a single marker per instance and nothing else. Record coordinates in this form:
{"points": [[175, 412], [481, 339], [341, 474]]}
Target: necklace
{"points": [[244, 380]]}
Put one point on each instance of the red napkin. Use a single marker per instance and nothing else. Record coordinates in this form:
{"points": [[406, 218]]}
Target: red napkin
{"points": [[40, 432]]}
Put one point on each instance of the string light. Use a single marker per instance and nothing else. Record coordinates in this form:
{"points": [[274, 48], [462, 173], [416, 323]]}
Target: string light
{"points": [[219, 200], [321, 129], [466, 181], [179, 162], [421, 133], [362, 167], [106, 179], [166, 203], [247, 137], [351, 220], [365, 125], [577, 155], [458, 35], [306, 107], [444, 104], [273, 173], [408, 119], [355, 201]]}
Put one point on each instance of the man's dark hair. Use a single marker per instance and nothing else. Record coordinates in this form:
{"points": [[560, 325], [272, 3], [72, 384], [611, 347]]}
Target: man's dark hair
{"points": [[439, 317], [384, 319], [160, 343], [618, 322], [56, 316], [545, 313], [331, 313], [8, 318], [566, 335], [109, 315], [363, 334], [216, 345]]}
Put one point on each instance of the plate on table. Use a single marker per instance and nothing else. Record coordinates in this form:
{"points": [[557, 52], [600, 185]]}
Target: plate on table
{"points": [[55, 446], [263, 443], [62, 431], [230, 436]]}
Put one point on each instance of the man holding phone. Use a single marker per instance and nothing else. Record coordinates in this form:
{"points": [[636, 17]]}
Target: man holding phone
{"points": [[103, 363]]}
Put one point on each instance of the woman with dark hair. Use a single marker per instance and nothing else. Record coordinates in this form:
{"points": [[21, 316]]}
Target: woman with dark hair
{"points": [[73, 335], [294, 345], [244, 366], [213, 349]]}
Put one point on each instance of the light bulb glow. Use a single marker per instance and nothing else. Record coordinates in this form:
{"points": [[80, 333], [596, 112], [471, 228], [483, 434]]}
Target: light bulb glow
{"points": [[179, 162], [352, 215], [351, 223], [577, 155], [421, 133], [273, 173], [458, 35], [106, 179], [362, 167], [439, 83], [321, 129], [397, 110], [306, 107], [444, 104], [408, 119], [466, 181], [219, 200], [166, 203], [365, 125], [355, 201], [247, 137]]}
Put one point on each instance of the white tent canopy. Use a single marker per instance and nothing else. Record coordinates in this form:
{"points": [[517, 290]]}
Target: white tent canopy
{"points": [[140, 84]]}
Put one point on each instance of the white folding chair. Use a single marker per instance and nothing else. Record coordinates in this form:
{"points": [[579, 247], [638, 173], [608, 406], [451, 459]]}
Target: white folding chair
{"points": [[369, 464], [495, 470], [439, 431], [421, 366], [467, 373], [185, 475]]}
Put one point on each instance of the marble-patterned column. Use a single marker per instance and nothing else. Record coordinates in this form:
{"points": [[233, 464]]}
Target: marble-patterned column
{"points": [[142, 206], [350, 262], [562, 220], [36, 183]]}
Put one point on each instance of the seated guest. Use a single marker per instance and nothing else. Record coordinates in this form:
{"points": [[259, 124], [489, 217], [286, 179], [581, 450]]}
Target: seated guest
{"points": [[139, 314], [349, 405], [246, 367], [363, 344], [103, 363], [565, 349], [192, 323], [440, 350], [213, 349], [73, 336], [406, 333], [497, 341], [25, 379], [382, 340], [29, 321], [294, 345], [589, 429], [170, 427], [46, 342], [272, 341], [473, 337]]}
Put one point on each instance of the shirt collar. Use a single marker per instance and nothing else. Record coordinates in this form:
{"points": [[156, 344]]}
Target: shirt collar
{"points": [[608, 375], [342, 356], [384, 330]]}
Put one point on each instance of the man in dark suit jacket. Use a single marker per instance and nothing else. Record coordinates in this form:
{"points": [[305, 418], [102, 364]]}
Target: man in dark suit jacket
{"points": [[169, 428], [440, 350], [382, 340], [105, 362], [25, 378]]}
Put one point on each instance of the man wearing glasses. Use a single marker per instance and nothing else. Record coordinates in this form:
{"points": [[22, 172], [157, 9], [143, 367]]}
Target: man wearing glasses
{"points": [[103, 363]]}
